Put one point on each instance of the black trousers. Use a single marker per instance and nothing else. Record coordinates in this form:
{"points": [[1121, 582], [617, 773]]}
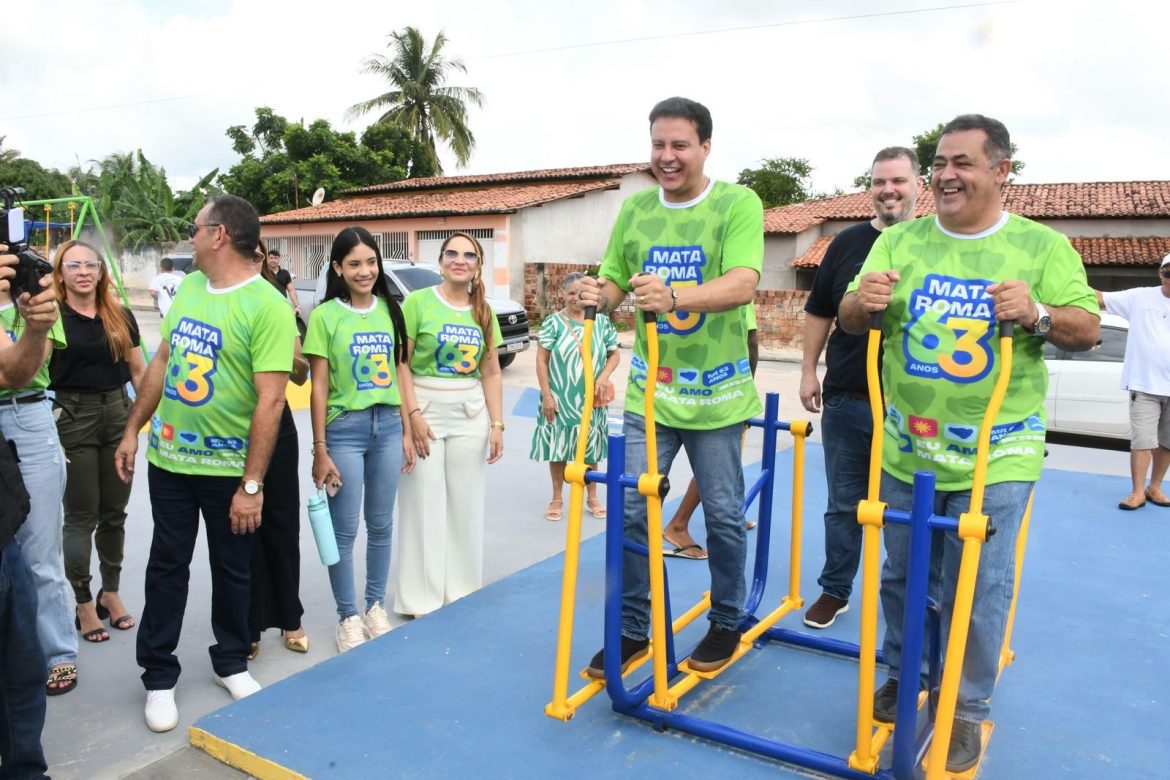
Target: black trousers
{"points": [[276, 552], [176, 502]]}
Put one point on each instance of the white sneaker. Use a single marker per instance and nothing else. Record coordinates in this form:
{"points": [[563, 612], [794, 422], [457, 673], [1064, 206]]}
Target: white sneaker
{"points": [[350, 633], [161, 712], [238, 685], [376, 622]]}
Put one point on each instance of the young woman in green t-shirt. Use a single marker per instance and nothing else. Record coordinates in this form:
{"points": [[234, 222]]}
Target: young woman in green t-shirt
{"points": [[356, 345], [454, 417]]}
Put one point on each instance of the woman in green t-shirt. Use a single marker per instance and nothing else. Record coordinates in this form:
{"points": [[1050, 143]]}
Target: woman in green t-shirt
{"points": [[455, 417], [356, 345]]}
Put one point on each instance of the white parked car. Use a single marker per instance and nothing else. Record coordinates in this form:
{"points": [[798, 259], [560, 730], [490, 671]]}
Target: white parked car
{"points": [[1084, 388]]}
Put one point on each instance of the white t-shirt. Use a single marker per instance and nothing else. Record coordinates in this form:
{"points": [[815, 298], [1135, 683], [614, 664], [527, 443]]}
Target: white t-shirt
{"points": [[1147, 350], [166, 285]]}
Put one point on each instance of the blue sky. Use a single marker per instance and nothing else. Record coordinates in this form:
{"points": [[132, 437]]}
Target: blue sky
{"points": [[1081, 85]]}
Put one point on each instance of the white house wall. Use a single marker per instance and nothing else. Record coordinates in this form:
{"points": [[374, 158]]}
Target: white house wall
{"points": [[573, 230]]}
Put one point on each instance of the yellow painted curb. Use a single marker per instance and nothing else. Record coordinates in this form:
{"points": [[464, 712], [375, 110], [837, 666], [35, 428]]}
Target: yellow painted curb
{"points": [[238, 757]]}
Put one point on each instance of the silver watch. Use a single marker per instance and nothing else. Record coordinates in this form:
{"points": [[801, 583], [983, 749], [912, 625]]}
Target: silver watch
{"points": [[1043, 321]]}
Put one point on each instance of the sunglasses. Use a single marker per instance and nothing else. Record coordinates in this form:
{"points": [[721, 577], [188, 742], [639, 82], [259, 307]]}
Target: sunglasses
{"points": [[452, 254], [1165, 273], [191, 231], [77, 265]]}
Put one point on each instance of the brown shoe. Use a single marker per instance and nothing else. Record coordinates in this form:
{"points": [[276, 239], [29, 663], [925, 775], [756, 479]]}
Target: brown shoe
{"points": [[1129, 503], [1157, 497], [825, 611]]}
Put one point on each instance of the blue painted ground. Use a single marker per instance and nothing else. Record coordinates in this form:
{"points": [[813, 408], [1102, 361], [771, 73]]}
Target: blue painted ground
{"points": [[461, 692]]}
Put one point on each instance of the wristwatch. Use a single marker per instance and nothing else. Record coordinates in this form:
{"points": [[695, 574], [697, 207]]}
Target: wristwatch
{"points": [[673, 299], [251, 486], [1043, 321]]}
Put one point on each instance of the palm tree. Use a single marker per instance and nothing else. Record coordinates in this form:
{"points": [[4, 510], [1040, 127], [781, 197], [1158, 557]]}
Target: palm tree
{"points": [[420, 100]]}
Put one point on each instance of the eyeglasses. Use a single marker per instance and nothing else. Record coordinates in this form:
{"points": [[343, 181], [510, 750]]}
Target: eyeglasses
{"points": [[452, 254], [191, 231], [76, 265]]}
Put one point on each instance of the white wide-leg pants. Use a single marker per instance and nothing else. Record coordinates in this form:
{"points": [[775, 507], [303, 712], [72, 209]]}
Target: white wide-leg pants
{"points": [[440, 503]]}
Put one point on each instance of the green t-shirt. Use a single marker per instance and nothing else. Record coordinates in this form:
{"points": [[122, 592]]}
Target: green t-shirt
{"points": [[749, 316], [941, 325], [704, 380], [218, 340], [360, 350], [448, 342], [56, 336]]}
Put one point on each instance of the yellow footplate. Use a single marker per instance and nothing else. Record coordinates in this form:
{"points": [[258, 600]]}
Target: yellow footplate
{"points": [[969, 774]]}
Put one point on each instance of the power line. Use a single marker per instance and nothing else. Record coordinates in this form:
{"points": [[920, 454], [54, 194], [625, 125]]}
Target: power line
{"points": [[569, 47]]}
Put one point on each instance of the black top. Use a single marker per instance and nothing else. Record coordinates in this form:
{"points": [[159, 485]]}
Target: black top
{"points": [[845, 355], [86, 365], [282, 281]]}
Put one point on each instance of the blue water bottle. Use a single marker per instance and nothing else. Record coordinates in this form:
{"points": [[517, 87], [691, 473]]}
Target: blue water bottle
{"points": [[322, 523]]}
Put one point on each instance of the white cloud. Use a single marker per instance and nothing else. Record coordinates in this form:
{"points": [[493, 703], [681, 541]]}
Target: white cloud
{"points": [[1080, 84]]}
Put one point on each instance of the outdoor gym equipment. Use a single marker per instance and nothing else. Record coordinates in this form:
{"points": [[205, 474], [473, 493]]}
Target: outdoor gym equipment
{"points": [[654, 699]]}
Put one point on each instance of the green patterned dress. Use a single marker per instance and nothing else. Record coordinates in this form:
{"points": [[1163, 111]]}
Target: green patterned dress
{"points": [[557, 440]]}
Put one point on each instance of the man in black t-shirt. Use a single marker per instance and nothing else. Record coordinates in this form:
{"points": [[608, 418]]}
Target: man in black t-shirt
{"points": [[846, 422]]}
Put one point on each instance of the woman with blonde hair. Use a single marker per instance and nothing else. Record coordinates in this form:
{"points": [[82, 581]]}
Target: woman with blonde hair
{"points": [[453, 412], [89, 379]]}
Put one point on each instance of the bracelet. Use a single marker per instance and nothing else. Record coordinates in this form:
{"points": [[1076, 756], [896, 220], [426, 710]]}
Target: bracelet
{"points": [[498, 425], [318, 441], [413, 412]]}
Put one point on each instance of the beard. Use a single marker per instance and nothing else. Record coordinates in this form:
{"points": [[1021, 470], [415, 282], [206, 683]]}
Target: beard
{"points": [[904, 213]]}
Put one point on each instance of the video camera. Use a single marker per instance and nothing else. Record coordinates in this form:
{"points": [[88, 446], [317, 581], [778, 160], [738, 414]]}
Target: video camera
{"points": [[31, 266]]}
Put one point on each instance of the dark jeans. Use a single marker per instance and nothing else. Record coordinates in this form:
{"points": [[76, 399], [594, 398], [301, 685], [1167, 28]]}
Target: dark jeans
{"points": [[95, 498], [176, 500], [22, 671], [846, 432]]}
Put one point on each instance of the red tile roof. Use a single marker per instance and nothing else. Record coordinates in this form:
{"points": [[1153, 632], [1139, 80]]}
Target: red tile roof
{"points": [[541, 175], [1084, 200], [813, 256], [1131, 250], [1098, 250], [483, 199]]}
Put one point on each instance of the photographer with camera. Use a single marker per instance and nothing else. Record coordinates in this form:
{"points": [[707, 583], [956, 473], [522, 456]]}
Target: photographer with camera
{"points": [[22, 662], [26, 421]]}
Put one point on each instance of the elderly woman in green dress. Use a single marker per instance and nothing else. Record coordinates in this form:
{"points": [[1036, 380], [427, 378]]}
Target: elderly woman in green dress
{"points": [[560, 371]]}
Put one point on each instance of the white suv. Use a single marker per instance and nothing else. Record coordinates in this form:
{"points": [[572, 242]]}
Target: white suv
{"points": [[407, 277]]}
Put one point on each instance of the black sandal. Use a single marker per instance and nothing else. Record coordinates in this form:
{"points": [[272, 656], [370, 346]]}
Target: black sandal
{"points": [[97, 635], [61, 673], [122, 622]]}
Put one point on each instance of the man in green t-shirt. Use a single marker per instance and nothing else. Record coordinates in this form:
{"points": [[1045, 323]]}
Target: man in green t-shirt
{"points": [[691, 251], [220, 374], [944, 284]]}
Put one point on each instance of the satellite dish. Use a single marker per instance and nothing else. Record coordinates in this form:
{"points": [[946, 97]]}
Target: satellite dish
{"points": [[319, 196]]}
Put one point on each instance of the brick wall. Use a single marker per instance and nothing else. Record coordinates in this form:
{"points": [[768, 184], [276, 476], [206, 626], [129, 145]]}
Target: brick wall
{"points": [[780, 313]]}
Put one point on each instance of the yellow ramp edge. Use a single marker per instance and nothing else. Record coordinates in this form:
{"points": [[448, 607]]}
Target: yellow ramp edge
{"points": [[239, 758]]}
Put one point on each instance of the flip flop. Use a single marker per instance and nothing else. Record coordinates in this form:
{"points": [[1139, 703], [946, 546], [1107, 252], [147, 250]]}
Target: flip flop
{"points": [[691, 551], [1129, 505], [1157, 497]]}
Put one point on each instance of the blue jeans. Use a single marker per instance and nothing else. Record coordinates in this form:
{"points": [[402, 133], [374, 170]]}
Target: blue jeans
{"points": [[42, 465], [715, 460], [846, 431], [22, 671], [366, 447], [1004, 503]]}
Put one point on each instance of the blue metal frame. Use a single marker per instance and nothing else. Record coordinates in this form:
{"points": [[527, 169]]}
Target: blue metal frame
{"points": [[921, 622]]}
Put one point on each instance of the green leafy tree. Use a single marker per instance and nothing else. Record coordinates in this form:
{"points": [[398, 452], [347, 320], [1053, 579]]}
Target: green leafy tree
{"points": [[780, 180], [137, 202], [38, 182], [278, 173], [420, 99], [924, 145], [7, 155]]}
